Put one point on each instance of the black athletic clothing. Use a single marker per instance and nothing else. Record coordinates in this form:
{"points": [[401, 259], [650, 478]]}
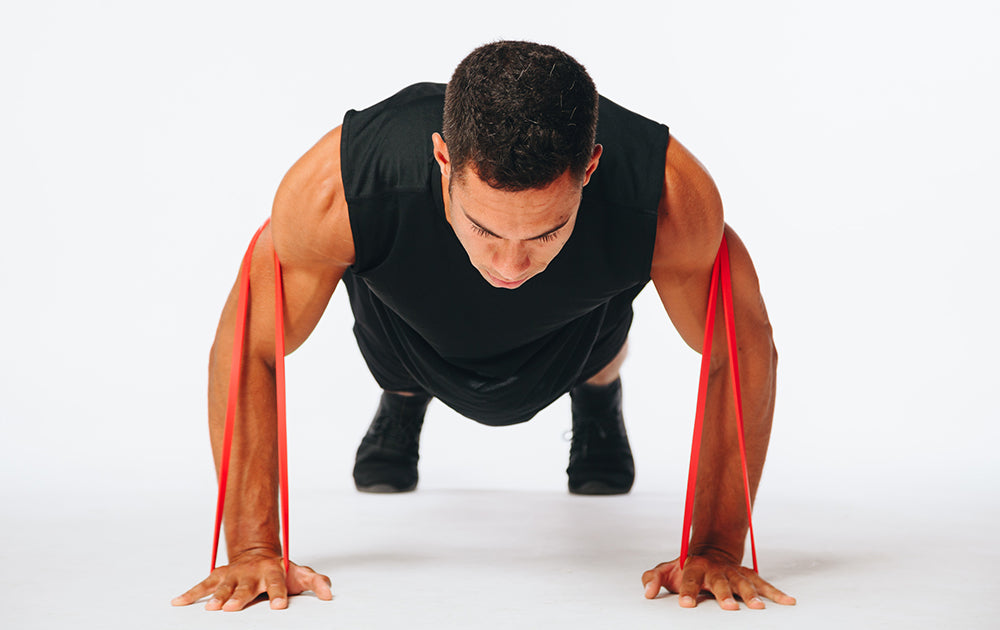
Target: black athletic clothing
{"points": [[425, 317]]}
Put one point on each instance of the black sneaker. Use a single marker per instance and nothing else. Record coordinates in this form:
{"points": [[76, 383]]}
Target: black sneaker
{"points": [[600, 459], [387, 458]]}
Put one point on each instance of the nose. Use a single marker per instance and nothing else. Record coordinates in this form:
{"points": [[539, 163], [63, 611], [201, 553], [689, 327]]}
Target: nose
{"points": [[511, 260]]}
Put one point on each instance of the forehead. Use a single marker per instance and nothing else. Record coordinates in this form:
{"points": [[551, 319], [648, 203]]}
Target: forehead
{"points": [[478, 200]]}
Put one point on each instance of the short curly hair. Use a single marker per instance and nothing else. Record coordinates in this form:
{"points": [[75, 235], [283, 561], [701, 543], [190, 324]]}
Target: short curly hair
{"points": [[520, 114]]}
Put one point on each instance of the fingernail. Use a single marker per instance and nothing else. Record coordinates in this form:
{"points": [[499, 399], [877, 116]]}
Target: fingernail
{"points": [[687, 600], [277, 603]]}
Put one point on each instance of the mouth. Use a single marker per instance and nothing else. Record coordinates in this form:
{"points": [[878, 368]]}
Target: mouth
{"points": [[503, 284]]}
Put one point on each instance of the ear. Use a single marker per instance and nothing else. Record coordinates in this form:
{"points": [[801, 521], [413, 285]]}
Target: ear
{"points": [[441, 155], [592, 166]]}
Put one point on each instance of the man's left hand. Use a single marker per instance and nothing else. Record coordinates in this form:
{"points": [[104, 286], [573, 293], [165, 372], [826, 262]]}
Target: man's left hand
{"points": [[721, 578]]}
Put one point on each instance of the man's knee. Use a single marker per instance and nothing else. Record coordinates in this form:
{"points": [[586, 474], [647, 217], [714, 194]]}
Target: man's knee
{"points": [[610, 372]]}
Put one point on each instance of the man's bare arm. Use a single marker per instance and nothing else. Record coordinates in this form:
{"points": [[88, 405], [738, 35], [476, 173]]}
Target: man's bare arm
{"points": [[689, 232], [311, 231]]}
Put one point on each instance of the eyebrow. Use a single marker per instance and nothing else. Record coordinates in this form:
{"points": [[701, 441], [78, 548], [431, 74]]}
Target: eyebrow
{"points": [[494, 234]]}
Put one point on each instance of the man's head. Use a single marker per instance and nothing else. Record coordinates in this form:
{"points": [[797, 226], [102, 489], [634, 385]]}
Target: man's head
{"points": [[519, 115], [519, 126]]}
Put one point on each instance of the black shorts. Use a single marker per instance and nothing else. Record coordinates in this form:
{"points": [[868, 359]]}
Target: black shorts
{"points": [[401, 361]]}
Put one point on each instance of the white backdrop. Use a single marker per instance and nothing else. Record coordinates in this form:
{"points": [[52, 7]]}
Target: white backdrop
{"points": [[855, 145]]}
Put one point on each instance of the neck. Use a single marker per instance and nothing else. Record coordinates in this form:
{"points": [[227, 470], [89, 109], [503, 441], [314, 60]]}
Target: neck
{"points": [[447, 198]]}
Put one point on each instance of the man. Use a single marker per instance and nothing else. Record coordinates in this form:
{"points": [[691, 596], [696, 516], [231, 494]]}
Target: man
{"points": [[558, 248]]}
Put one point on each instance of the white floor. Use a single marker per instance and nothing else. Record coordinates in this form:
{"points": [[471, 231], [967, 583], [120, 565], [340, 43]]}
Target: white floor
{"points": [[468, 558]]}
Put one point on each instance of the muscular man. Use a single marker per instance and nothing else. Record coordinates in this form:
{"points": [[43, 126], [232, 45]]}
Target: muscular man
{"points": [[491, 237]]}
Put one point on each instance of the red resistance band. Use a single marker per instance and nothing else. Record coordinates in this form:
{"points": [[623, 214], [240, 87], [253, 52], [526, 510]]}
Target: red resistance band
{"points": [[234, 389], [721, 270]]}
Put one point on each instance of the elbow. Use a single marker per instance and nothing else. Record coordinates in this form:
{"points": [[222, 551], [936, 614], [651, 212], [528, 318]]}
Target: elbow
{"points": [[774, 356], [766, 335], [768, 351], [212, 354]]}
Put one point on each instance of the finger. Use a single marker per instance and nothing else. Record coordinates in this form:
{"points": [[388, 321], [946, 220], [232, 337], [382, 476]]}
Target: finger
{"points": [[658, 573], [221, 596], [718, 584], [691, 582], [195, 593], [748, 594], [651, 582], [308, 580], [277, 590], [767, 590], [243, 595], [321, 586], [302, 578]]}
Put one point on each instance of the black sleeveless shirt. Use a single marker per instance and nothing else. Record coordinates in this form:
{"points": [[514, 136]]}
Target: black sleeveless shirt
{"points": [[494, 355]]}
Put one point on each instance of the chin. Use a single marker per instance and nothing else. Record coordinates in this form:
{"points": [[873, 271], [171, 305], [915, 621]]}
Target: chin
{"points": [[500, 284]]}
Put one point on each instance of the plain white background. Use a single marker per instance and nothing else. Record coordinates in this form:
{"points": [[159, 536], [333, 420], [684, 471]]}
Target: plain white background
{"points": [[855, 145]]}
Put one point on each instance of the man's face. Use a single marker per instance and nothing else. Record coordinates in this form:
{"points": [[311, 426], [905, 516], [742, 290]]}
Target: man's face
{"points": [[511, 236]]}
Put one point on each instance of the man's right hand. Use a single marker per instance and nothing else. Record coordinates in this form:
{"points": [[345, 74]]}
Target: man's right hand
{"points": [[251, 574], [310, 231]]}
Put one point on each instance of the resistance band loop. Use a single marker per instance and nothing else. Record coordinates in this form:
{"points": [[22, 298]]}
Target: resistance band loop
{"points": [[234, 389], [721, 274]]}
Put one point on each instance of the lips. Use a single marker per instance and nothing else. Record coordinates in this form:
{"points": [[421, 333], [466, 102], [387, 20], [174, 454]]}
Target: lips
{"points": [[503, 284]]}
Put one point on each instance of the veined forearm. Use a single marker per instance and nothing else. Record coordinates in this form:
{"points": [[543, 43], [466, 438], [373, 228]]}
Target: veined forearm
{"points": [[720, 519], [251, 513]]}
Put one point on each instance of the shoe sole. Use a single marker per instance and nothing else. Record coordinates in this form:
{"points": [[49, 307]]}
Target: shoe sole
{"points": [[599, 488], [385, 488]]}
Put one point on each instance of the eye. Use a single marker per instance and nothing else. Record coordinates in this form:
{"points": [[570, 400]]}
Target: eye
{"points": [[480, 231], [551, 236]]}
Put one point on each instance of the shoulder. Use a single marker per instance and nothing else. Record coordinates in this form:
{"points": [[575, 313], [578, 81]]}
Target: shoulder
{"points": [[418, 95], [388, 145], [309, 218], [413, 107], [632, 161], [690, 220], [615, 121]]}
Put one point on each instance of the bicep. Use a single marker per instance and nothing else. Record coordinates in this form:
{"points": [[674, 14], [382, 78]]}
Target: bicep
{"points": [[306, 291], [310, 230], [690, 229], [685, 298]]}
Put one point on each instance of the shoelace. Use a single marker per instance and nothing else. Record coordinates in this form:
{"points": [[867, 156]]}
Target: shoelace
{"points": [[400, 432], [721, 274], [596, 435], [234, 388]]}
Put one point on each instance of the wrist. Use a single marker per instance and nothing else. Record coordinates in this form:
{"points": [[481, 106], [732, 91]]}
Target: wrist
{"points": [[732, 554], [254, 552]]}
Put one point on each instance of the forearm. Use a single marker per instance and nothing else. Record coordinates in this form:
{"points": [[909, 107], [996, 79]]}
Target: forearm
{"points": [[251, 513], [720, 517]]}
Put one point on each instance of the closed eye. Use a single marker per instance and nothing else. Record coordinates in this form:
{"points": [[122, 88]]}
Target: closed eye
{"points": [[545, 238], [481, 232], [549, 236]]}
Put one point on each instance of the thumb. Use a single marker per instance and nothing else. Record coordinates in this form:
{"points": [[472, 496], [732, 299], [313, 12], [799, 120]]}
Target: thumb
{"points": [[651, 582]]}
